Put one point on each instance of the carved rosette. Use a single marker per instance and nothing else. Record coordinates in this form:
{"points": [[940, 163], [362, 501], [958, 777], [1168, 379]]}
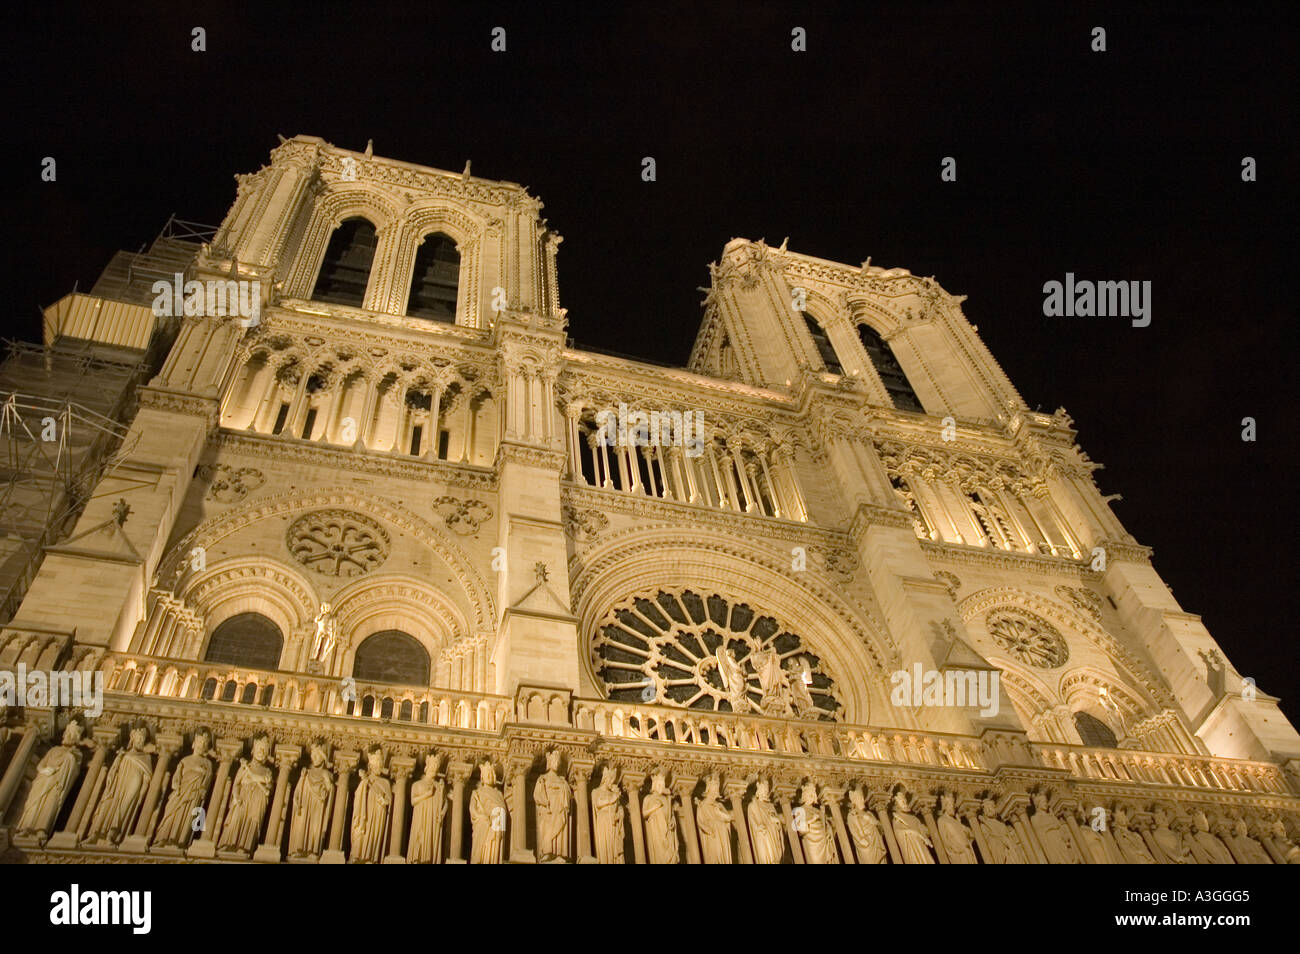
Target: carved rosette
{"points": [[337, 543]]}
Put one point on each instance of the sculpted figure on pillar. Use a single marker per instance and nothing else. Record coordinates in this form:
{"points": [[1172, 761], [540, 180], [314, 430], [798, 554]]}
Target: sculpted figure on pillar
{"points": [[661, 841], [249, 796], [955, 835], [372, 806], [55, 775], [810, 820], [313, 803], [1097, 848], [909, 831], [765, 826], [864, 829], [1052, 834], [1290, 851], [428, 809], [487, 814], [714, 822], [552, 801], [734, 680], [1171, 840], [1131, 847], [1248, 851], [607, 807], [124, 790], [190, 784], [1205, 845], [1004, 843]]}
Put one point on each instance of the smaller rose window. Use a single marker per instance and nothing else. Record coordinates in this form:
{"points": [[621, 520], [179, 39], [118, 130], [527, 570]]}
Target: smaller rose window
{"points": [[1029, 638]]}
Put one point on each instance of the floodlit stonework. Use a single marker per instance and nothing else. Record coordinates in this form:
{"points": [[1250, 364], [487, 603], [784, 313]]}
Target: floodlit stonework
{"points": [[371, 577]]}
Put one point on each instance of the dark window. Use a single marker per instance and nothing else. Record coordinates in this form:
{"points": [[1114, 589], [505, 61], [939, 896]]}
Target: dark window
{"points": [[890, 371], [209, 689], [249, 639], [416, 433], [249, 695], [824, 347], [404, 712], [434, 281], [309, 424], [394, 657], [280, 418], [1094, 732], [444, 437], [346, 268]]}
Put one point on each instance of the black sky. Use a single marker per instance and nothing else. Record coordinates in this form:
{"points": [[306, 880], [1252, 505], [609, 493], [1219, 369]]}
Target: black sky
{"points": [[1115, 165]]}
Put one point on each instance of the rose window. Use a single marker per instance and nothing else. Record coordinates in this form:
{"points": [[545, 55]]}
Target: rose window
{"points": [[1029, 638], [337, 543], [678, 648]]}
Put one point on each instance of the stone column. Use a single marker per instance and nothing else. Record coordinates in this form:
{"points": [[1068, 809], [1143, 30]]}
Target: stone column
{"points": [[269, 850], [18, 767], [972, 819], [880, 804], [138, 840], [632, 786], [1033, 850], [205, 846], [402, 767], [832, 797], [519, 852], [344, 765], [458, 773], [736, 795], [796, 844], [685, 789], [578, 779]]}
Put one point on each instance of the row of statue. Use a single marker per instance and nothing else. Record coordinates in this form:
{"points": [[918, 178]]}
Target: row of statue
{"points": [[138, 804]]}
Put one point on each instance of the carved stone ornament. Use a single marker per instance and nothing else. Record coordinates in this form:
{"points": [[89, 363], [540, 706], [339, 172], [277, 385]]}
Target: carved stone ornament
{"points": [[230, 484], [337, 543], [462, 516], [1029, 638]]}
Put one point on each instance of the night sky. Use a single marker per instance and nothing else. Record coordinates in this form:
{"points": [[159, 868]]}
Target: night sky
{"points": [[1123, 165]]}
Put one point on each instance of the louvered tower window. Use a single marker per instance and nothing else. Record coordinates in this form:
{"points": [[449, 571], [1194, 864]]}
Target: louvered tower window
{"points": [[825, 349], [346, 268], [890, 371], [434, 282]]}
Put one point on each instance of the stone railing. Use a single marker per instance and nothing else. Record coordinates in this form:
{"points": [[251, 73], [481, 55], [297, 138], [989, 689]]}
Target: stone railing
{"points": [[305, 693], [748, 733], [1159, 768]]}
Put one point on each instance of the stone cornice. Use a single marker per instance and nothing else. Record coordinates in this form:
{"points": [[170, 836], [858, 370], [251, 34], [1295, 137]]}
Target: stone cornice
{"points": [[179, 402], [954, 553]]}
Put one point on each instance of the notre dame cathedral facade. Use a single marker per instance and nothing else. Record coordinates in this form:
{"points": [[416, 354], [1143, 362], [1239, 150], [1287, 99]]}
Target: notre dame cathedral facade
{"points": [[376, 565]]}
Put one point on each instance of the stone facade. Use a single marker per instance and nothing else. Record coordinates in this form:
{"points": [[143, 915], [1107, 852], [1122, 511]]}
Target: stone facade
{"points": [[681, 650]]}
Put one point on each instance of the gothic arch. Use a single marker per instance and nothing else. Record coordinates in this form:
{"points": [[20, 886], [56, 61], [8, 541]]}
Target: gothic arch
{"points": [[1073, 623], [459, 223], [252, 584], [644, 560], [211, 531], [404, 603], [338, 203]]}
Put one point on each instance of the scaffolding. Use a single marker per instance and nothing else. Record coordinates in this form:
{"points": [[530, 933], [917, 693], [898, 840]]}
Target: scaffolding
{"points": [[54, 450]]}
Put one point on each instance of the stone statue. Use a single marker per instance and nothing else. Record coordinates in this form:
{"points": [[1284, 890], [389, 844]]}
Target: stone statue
{"points": [[733, 679], [249, 796], [774, 686], [1131, 846], [552, 799], [799, 678], [818, 837], [428, 810], [487, 814], [1290, 851], [327, 635], [1096, 847], [954, 835], [661, 842], [765, 826], [864, 829], [55, 774], [909, 831], [607, 807], [1247, 849], [1171, 841], [124, 790], [372, 805], [190, 784], [313, 802], [1205, 845], [1002, 839], [1056, 841], [714, 822]]}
